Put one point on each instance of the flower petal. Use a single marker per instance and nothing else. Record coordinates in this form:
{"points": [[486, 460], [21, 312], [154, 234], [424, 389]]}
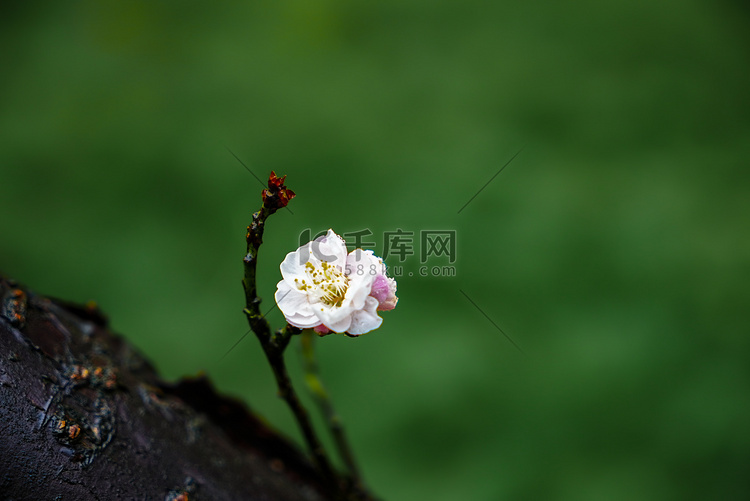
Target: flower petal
{"points": [[365, 320], [329, 248], [293, 265], [362, 268], [380, 288], [341, 325], [333, 315], [388, 302], [293, 304]]}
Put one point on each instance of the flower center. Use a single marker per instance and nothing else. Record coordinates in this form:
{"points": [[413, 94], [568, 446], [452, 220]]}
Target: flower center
{"points": [[326, 284]]}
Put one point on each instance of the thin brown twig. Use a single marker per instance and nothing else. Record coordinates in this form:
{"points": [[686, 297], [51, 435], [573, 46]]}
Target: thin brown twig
{"points": [[273, 345]]}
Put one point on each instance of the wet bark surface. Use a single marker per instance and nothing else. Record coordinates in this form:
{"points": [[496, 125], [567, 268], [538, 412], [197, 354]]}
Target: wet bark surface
{"points": [[84, 416]]}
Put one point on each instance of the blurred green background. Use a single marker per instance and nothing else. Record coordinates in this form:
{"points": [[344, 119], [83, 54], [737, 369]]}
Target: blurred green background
{"points": [[614, 249]]}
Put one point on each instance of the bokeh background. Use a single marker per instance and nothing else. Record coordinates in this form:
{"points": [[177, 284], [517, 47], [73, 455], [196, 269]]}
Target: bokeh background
{"points": [[614, 250]]}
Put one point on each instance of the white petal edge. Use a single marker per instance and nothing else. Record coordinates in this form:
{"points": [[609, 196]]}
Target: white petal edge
{"points": [[365, 320], [293, 265], [360, 285], [330, 248], [293, 304], [341, 325]]}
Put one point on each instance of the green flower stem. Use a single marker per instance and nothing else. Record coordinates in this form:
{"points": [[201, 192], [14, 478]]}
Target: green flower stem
{"points": [[274, 353], [323, 399], [274, 345]]}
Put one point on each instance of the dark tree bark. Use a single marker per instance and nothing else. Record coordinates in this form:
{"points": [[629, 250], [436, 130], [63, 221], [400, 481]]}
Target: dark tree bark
{"points": [[83, 416]]}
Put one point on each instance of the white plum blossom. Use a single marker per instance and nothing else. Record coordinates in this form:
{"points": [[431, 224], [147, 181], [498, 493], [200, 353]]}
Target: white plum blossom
{"points": [[328, 289]]}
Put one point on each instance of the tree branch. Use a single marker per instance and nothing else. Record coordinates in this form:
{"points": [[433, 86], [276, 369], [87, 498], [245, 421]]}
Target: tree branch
{"points": [[86, 417]]}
